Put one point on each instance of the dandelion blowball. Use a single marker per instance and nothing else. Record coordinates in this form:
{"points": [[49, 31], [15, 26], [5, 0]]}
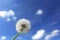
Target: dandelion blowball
{"points": [[23, 26]]}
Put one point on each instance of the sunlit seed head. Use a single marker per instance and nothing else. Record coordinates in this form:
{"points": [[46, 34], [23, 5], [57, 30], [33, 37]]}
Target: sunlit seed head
{"points": [[23, 26]]}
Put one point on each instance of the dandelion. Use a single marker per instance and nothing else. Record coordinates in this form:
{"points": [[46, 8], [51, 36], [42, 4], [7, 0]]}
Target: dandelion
{"points": [[22, 26]]}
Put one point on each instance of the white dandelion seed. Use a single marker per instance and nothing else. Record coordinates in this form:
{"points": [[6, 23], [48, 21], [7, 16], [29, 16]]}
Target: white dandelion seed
{"points": [[23, 25]]}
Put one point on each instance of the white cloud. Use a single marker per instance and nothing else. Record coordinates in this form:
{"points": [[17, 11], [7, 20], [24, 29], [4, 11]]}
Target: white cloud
{"points": [[2, 14], [39, 12], [8, 19], [38, 35], [53, 34], [7, 15], [10, 13], [3, 38]]}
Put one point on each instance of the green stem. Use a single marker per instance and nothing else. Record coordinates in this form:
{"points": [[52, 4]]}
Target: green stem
{"points": [[14, 38]]}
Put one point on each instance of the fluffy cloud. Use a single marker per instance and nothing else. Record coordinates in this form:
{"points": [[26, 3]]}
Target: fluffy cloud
{"points": [[3, 38], [41, 33], [8, 14], [39, 12], [38, 35], [53, 34], [8, 19]]}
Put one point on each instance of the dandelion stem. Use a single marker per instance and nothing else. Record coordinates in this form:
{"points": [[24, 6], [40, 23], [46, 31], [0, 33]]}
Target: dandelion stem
{"points": [[14, 38]]}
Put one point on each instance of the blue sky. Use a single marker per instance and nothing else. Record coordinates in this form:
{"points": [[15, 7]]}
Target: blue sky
{"points": [[44, 16]]}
